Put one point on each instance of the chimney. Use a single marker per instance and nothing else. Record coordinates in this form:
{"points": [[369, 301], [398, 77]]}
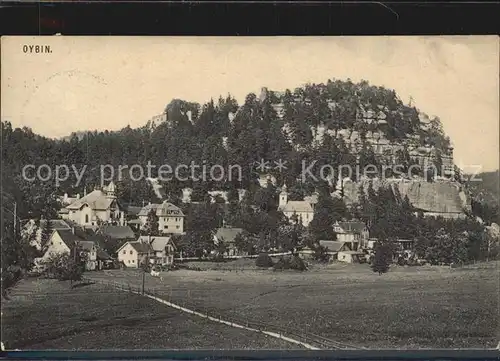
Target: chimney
{"points": [[73, 229], [78, 196], [65, 197]]}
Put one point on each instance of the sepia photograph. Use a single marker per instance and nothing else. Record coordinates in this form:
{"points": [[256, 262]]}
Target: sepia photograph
{"points": [[250, 193]]}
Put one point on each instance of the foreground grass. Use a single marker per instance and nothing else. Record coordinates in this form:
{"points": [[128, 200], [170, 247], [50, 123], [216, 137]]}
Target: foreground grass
{"points": [[416, 307], [47, 314]]}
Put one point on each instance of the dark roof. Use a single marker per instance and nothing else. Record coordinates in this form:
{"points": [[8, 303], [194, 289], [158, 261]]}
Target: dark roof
{"points": [[56, 224], [334, 246], [133, 210], [227, 234], [69, 238], [352, 226], [117, 232], [141, 247], [102, 255], [86, 245], [86, 238]]}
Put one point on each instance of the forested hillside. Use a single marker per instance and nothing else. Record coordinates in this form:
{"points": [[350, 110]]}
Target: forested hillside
{"points": [[485, 189], [222, 132]]}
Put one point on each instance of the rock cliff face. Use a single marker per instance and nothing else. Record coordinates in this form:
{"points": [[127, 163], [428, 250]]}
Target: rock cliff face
{"points": [[446, 199]]}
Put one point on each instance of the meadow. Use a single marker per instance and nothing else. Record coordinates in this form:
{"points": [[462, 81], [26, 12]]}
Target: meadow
{"points": [[48, 314], [408, 307]]}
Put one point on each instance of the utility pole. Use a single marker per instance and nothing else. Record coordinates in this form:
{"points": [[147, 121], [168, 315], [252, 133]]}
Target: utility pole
{"points": [[143, 280], [15, 218]]}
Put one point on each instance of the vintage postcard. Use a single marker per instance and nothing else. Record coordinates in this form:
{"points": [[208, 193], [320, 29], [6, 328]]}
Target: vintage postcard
{"points": [[229, 193]]}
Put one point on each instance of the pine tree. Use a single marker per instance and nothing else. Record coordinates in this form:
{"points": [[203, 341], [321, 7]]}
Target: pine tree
{"points": [[151, 228], [46, 234], [326, 212], [382, 258]]}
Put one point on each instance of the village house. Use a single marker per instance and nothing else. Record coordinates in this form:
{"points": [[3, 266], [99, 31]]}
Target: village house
{"points": [[134, 254], [31, 227], [73, 240], [302, 211], [341, 251], [163, 248], [170, 217], [353, 232], [132, 217], [227, 235], [99, 206]]}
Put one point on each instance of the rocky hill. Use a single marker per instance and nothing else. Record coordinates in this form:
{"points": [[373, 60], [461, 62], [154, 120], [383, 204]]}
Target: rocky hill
{"points": [[440, 198], [339, 122]]}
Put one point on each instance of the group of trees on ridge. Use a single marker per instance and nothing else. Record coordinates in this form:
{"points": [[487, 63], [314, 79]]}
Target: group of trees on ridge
{"points": [[212, 138]]}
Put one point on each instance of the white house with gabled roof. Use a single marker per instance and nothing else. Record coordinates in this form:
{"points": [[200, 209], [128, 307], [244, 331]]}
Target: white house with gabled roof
{"points": [[99, 206], [303, 211], [170, 217]]}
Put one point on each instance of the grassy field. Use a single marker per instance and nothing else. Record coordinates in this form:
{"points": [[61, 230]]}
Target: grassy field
{"points": [[409, 307], [47, 314]]}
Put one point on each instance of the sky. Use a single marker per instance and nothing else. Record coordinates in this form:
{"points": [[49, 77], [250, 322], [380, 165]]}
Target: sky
{"points": [[89, 83]]}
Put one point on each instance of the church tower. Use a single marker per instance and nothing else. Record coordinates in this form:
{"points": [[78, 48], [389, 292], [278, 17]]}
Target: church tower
{"points": [[111, 190], [283, 196]]}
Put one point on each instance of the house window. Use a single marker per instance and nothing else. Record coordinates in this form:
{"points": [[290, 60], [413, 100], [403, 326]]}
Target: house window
{"points": [[177, 227], [86, 218], [124, 252], [133, 261], [131, 252], [166, 227], [128, 261]]}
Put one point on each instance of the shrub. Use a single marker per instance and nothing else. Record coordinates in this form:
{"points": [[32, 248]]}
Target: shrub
{"points": [[218, 258], [320, 254], [264, 261], [282, 264], [297, 263], [10, 276], [64, 267], [294, 263]]}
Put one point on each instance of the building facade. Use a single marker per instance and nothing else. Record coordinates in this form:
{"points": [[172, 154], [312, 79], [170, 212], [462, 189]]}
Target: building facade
{"points": [[99, 206], [68, 241], [354, 233], [301, 211], [170, 217], [134, 254], [163, 249]]}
